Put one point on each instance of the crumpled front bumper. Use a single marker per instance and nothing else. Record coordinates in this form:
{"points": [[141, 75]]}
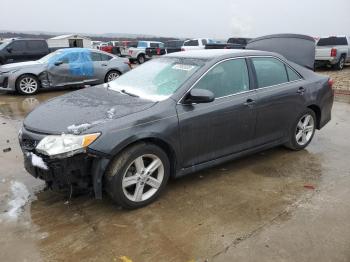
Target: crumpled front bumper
{"points": [[83, 171]]}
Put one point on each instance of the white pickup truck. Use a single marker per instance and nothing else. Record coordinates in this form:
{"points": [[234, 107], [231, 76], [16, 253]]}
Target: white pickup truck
{"points": [[139, 53], [196, 44], [333, 51]]}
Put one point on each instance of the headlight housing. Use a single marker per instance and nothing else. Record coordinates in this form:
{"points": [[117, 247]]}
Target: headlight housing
{"points": [[65, 145]]}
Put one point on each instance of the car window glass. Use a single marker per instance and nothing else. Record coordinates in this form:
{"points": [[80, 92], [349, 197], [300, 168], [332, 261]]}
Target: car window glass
{"points": [[227, 78], [95, 56], [105, 57], [204, 41], [142, 44], [36, 46], [292, 75], [154, 45], [18, 46], [191, 43], [269, 71]]}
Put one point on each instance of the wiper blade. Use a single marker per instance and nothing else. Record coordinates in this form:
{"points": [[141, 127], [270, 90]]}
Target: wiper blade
{"points": [[127, 93]]}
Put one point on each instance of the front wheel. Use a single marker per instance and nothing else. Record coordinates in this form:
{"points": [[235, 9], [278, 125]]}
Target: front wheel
{"points": [[27, 85], [341, 63], [141, 59], [137, 176], [302, 131]]}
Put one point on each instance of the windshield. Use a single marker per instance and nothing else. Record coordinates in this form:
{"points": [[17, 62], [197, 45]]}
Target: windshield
{"points": [[157, 79], [4, 44], [332, 41], [46, 58]]}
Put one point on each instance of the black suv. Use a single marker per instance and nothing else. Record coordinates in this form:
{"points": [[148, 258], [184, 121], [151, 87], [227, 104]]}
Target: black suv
{"points": [[19, 50]]}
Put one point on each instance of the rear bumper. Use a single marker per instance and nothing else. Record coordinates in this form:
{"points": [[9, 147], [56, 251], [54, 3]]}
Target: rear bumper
{"points": [[321, 61]]}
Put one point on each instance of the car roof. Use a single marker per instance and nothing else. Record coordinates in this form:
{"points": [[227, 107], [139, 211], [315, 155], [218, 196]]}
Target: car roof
{"points": [[217, 53]]}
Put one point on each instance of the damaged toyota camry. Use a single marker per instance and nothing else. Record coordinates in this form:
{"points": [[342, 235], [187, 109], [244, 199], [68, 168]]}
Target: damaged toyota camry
{"points": [[170, 117]]}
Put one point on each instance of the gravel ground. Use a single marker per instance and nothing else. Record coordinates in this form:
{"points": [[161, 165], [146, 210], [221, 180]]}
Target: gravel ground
{"points": [[341, 78]]}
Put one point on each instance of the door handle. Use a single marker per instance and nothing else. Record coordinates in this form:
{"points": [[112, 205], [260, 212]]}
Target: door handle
{"points": [[301, 90], [250, 102]]}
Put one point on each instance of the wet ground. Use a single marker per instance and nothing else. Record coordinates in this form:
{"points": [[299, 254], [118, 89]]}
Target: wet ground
{"points": [[277, 205]]}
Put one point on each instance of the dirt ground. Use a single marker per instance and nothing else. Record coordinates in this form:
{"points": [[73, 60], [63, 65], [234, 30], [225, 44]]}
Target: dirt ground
{"points": [[277, 205]]}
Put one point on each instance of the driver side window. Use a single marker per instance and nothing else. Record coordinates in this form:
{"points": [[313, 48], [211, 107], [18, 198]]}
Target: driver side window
{"points": [[227, 78]]}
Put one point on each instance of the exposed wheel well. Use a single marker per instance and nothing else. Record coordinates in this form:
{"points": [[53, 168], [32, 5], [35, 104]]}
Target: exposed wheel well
{"points": [[317, 111]]}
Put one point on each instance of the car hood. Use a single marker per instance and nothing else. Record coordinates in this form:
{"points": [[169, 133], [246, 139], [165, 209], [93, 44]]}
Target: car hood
{"points": [[78, 111], [13, 66]]}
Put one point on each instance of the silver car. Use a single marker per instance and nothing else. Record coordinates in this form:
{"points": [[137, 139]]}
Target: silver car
{"points": [[64, 67]]}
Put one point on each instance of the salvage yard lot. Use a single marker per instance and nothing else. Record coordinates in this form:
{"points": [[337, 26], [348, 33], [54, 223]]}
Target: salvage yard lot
{"points": [[272, 206]]}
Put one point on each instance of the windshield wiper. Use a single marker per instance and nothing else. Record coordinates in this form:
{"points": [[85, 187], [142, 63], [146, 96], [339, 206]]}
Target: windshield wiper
{"points": [[127, 93]]}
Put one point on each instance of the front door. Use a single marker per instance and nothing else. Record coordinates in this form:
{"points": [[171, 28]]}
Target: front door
{"points": [[224, 126]]}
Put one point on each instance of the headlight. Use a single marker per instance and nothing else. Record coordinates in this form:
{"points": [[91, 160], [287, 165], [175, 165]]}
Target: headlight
{"points": [[65, 145]]}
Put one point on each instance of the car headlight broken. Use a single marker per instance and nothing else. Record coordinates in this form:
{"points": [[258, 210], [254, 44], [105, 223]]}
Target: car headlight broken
{"points": [[65, 145]]}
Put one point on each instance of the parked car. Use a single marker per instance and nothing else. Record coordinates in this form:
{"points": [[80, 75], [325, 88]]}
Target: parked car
{"points": [[196, 44], [64, 67], [171, 46], [124, 48], [173, 116], [333, 51], [232, 43], [20, 50], [139, 53]]}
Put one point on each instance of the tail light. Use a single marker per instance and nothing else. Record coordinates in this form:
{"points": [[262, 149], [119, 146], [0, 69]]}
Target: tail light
{"points": [[182, 49], [130, 52], [330, 83], [158, 51], [333, 52]]}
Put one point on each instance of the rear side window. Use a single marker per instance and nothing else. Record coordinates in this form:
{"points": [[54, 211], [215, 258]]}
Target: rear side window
{"points": [[227, 78], [191, 43], [292, 75], [36, 45], [269, 71], [332, 41], [95, 56], [105, 57], [18, 46]]}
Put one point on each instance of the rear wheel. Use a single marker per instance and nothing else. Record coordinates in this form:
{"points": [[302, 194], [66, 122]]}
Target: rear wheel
{"points": [[137, 176], [112, 75], [141, 59], [302, 131], [27, 85], [341, 63]]}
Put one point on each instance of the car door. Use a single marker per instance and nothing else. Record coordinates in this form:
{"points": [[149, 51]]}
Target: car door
{"points": [[280, 98], [68, 69], [211, 130], [36, 49], [101, 67], [17, 52]]}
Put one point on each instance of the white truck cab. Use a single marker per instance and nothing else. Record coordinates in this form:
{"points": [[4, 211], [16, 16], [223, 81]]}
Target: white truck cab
{"points": [[139, 53], [196, 44]]}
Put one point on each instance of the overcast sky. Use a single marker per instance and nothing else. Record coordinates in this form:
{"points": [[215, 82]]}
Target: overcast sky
{"points": [[180, 18]]}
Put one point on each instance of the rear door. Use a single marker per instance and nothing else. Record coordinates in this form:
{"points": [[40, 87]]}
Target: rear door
{"points": [[101, 67], [280, 98], [212, 130], [37, 49]]}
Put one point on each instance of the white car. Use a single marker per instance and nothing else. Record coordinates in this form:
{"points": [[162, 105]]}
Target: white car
{"points": [[139, 53], [196, 44]]}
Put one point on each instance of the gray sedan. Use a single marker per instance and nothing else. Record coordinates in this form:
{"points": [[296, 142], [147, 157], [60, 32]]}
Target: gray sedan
{"points": [[64, 67]]}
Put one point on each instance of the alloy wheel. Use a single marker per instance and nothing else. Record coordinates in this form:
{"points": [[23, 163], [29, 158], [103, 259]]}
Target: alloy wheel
{"points": [[112, 76], [28, 85], [143, 178], [305, 129]]}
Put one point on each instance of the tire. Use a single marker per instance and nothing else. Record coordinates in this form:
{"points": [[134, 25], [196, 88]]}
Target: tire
{"points": [[302, 132], [141, 59], [125, 180], [340, 64], [27, 85], [112, 75]]}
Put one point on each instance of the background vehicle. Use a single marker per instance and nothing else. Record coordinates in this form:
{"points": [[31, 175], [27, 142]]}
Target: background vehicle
{"points": [[175, 115], [333, 51], [19, 50], [124, 48], [139, 53], [196, 44], [232, 43], [64, 67], [169, 47]]}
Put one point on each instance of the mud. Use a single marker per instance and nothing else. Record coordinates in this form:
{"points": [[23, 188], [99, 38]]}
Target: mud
{"points": [[277, 205]]}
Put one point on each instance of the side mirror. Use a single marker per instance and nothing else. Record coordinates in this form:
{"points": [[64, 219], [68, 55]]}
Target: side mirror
{"points": [[9, 49], [199, 96], [57, 63]]}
